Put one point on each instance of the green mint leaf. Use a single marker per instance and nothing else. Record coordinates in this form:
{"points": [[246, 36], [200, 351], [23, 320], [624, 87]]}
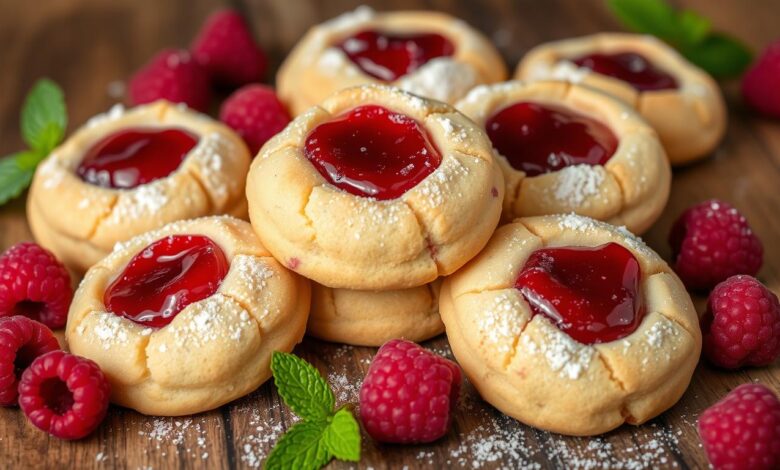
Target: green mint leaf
{"points": [[654, 17], [44, 118], [302, 387], [16, 172], [720, 55], [342, 436], [302, 447], [693, 28]]}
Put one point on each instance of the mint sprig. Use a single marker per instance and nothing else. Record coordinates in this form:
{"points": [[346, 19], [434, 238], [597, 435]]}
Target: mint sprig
{"points": [[323, 433], [687, 31], [43, 123]]}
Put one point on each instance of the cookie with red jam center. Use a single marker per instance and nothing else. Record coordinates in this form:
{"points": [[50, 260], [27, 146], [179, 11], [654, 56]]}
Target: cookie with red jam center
{"points": [[572, 325]]}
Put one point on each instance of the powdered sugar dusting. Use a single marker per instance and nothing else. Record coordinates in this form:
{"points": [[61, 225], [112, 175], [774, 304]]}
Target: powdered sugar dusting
{"points": [[442, 184], [209, 155], [503, 320], [141, 202], [621, 234], [108, 330], [350, 19], [562, 354], [252, 271], [215, 318], [186, 437], [578, 183], [442, 79], [113, 114]]}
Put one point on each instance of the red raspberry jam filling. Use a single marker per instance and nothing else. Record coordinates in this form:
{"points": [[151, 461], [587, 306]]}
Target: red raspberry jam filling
{"points": [[591, 294], [629, 67], [390, 56], [372, 152], [132, 157], [538, 139], [165, 277]]}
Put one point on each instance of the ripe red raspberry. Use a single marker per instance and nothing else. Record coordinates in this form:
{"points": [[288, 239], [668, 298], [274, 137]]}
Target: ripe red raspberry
{"points": [[759, 85], [172, 75], [21, 341], [226, 48], [255, 113], [35, 284], [408, 394], [712, 241], [742, 431], [64, 395], [742, 324]]}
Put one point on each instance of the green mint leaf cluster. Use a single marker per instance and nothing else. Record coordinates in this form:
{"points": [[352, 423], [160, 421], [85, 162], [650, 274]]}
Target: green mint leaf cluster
{"points": [[43, 123], [687, 31], [323, 433]]}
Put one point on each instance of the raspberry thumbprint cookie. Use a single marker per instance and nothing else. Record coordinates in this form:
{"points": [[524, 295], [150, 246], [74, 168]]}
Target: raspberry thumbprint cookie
{"points": [[570, 148], [127, 172], [376, 188], [371, 318], [572, 325], [682, 102], [185, 318], [427, 53]]}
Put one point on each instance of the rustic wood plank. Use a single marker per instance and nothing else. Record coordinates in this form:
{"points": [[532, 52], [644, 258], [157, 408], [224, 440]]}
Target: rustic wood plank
{"points": [[86, 45]]}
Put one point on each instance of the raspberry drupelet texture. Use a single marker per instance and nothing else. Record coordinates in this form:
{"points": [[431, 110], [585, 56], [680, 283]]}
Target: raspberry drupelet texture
{"points": [[64, 395], [742, 431], [256, 114], [741, 326], [35, 284], [408, 394], [21, 341], [172, 75], [226, 49], [712, 241]]}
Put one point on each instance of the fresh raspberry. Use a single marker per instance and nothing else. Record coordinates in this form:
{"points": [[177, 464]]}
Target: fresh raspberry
{"points": [[172, 75], [226, 48], [742, 431], [712, 241], [21, 341], [759, 85], [255, 113], [35, 284], [408, 394], [64, 395], [742, 324]]}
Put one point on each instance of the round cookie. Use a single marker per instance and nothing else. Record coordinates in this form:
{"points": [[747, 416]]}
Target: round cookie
{"points": [[215, 349], [80, 221], [630, 189], [320, 64], [690, 118], [345, 238], [525, 365], [371, 318]]}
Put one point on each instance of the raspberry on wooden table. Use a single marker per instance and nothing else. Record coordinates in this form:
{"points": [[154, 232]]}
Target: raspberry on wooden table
{"points": [[255, 113], [172, 75], [712, 241], [226, 49], [21, 341], [408, 394], [742, 324], [35, 284], [64, 395], [742, 431], [759, 84]]}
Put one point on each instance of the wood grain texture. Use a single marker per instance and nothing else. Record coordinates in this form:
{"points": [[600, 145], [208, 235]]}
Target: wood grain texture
{"points": [[86, 45]]}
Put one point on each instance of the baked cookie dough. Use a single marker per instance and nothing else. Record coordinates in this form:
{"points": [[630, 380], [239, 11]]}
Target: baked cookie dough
{"points": [[214, 350], [681, 101], [80, 221], [631, 188], [371, 318], [525, 364], [337, 198], [427, 53]]}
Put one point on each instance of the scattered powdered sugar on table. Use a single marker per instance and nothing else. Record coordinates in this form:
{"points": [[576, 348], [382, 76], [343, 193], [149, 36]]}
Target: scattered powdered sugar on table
{"points": [[577, 183], [173, 434]]}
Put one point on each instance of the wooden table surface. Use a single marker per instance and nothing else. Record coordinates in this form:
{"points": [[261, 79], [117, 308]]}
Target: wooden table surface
{"points": [[91, 46]]}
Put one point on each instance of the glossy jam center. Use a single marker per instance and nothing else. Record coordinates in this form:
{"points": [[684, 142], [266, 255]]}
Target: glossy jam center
{"points": [[165, 277], [538, 139], [591, 294], [373, 152], [629, 67], [132, 157], [390, 56]]}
